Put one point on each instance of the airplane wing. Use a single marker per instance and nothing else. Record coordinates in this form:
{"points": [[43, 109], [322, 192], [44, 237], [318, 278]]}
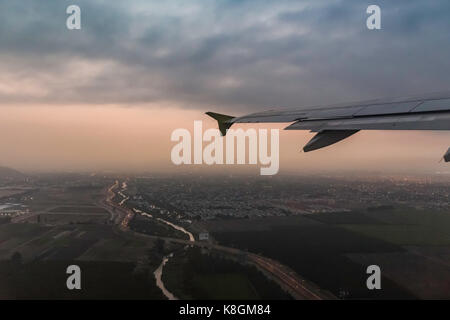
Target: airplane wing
{"points": [[334, 123]]}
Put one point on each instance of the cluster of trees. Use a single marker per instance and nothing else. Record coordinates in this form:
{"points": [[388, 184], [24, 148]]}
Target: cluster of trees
{"points": [[192, 263]]}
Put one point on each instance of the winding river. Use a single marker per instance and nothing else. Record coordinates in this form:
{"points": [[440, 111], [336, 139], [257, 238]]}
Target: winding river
{"points": [[191, 237], [158, 272], [158, 276]]}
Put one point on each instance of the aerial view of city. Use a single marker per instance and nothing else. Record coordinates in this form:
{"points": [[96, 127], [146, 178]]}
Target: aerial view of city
{"points": [[224, 236], [224, 159]]}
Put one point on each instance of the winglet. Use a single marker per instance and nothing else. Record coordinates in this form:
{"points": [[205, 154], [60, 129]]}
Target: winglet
{"points": [[223, 121]]}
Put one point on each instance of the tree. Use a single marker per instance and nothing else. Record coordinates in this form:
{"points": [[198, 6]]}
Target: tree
{"points": [[16, 258], [159, 245]]}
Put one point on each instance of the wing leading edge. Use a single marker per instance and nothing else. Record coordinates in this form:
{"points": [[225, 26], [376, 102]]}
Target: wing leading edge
{"points": [[334, 123]]}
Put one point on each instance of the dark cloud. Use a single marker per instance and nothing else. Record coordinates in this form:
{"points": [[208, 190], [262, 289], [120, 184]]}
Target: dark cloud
{"points": [[231, 55]]}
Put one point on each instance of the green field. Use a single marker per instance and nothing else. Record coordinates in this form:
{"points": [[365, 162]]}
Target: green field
{"points": [[406, 226], [403, 234], [21, 230], [79, 209], [225, 286], [100, 280], [190, 274]]}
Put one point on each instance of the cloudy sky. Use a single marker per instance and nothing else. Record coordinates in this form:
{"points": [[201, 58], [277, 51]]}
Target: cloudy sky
{"points": [[108, 95]]}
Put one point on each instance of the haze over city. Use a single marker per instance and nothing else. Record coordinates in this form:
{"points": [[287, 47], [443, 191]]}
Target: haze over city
{"points": [[105, 105]]}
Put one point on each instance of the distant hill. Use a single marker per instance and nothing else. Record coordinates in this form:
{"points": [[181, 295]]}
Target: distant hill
{"points": [[8, 173]]}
